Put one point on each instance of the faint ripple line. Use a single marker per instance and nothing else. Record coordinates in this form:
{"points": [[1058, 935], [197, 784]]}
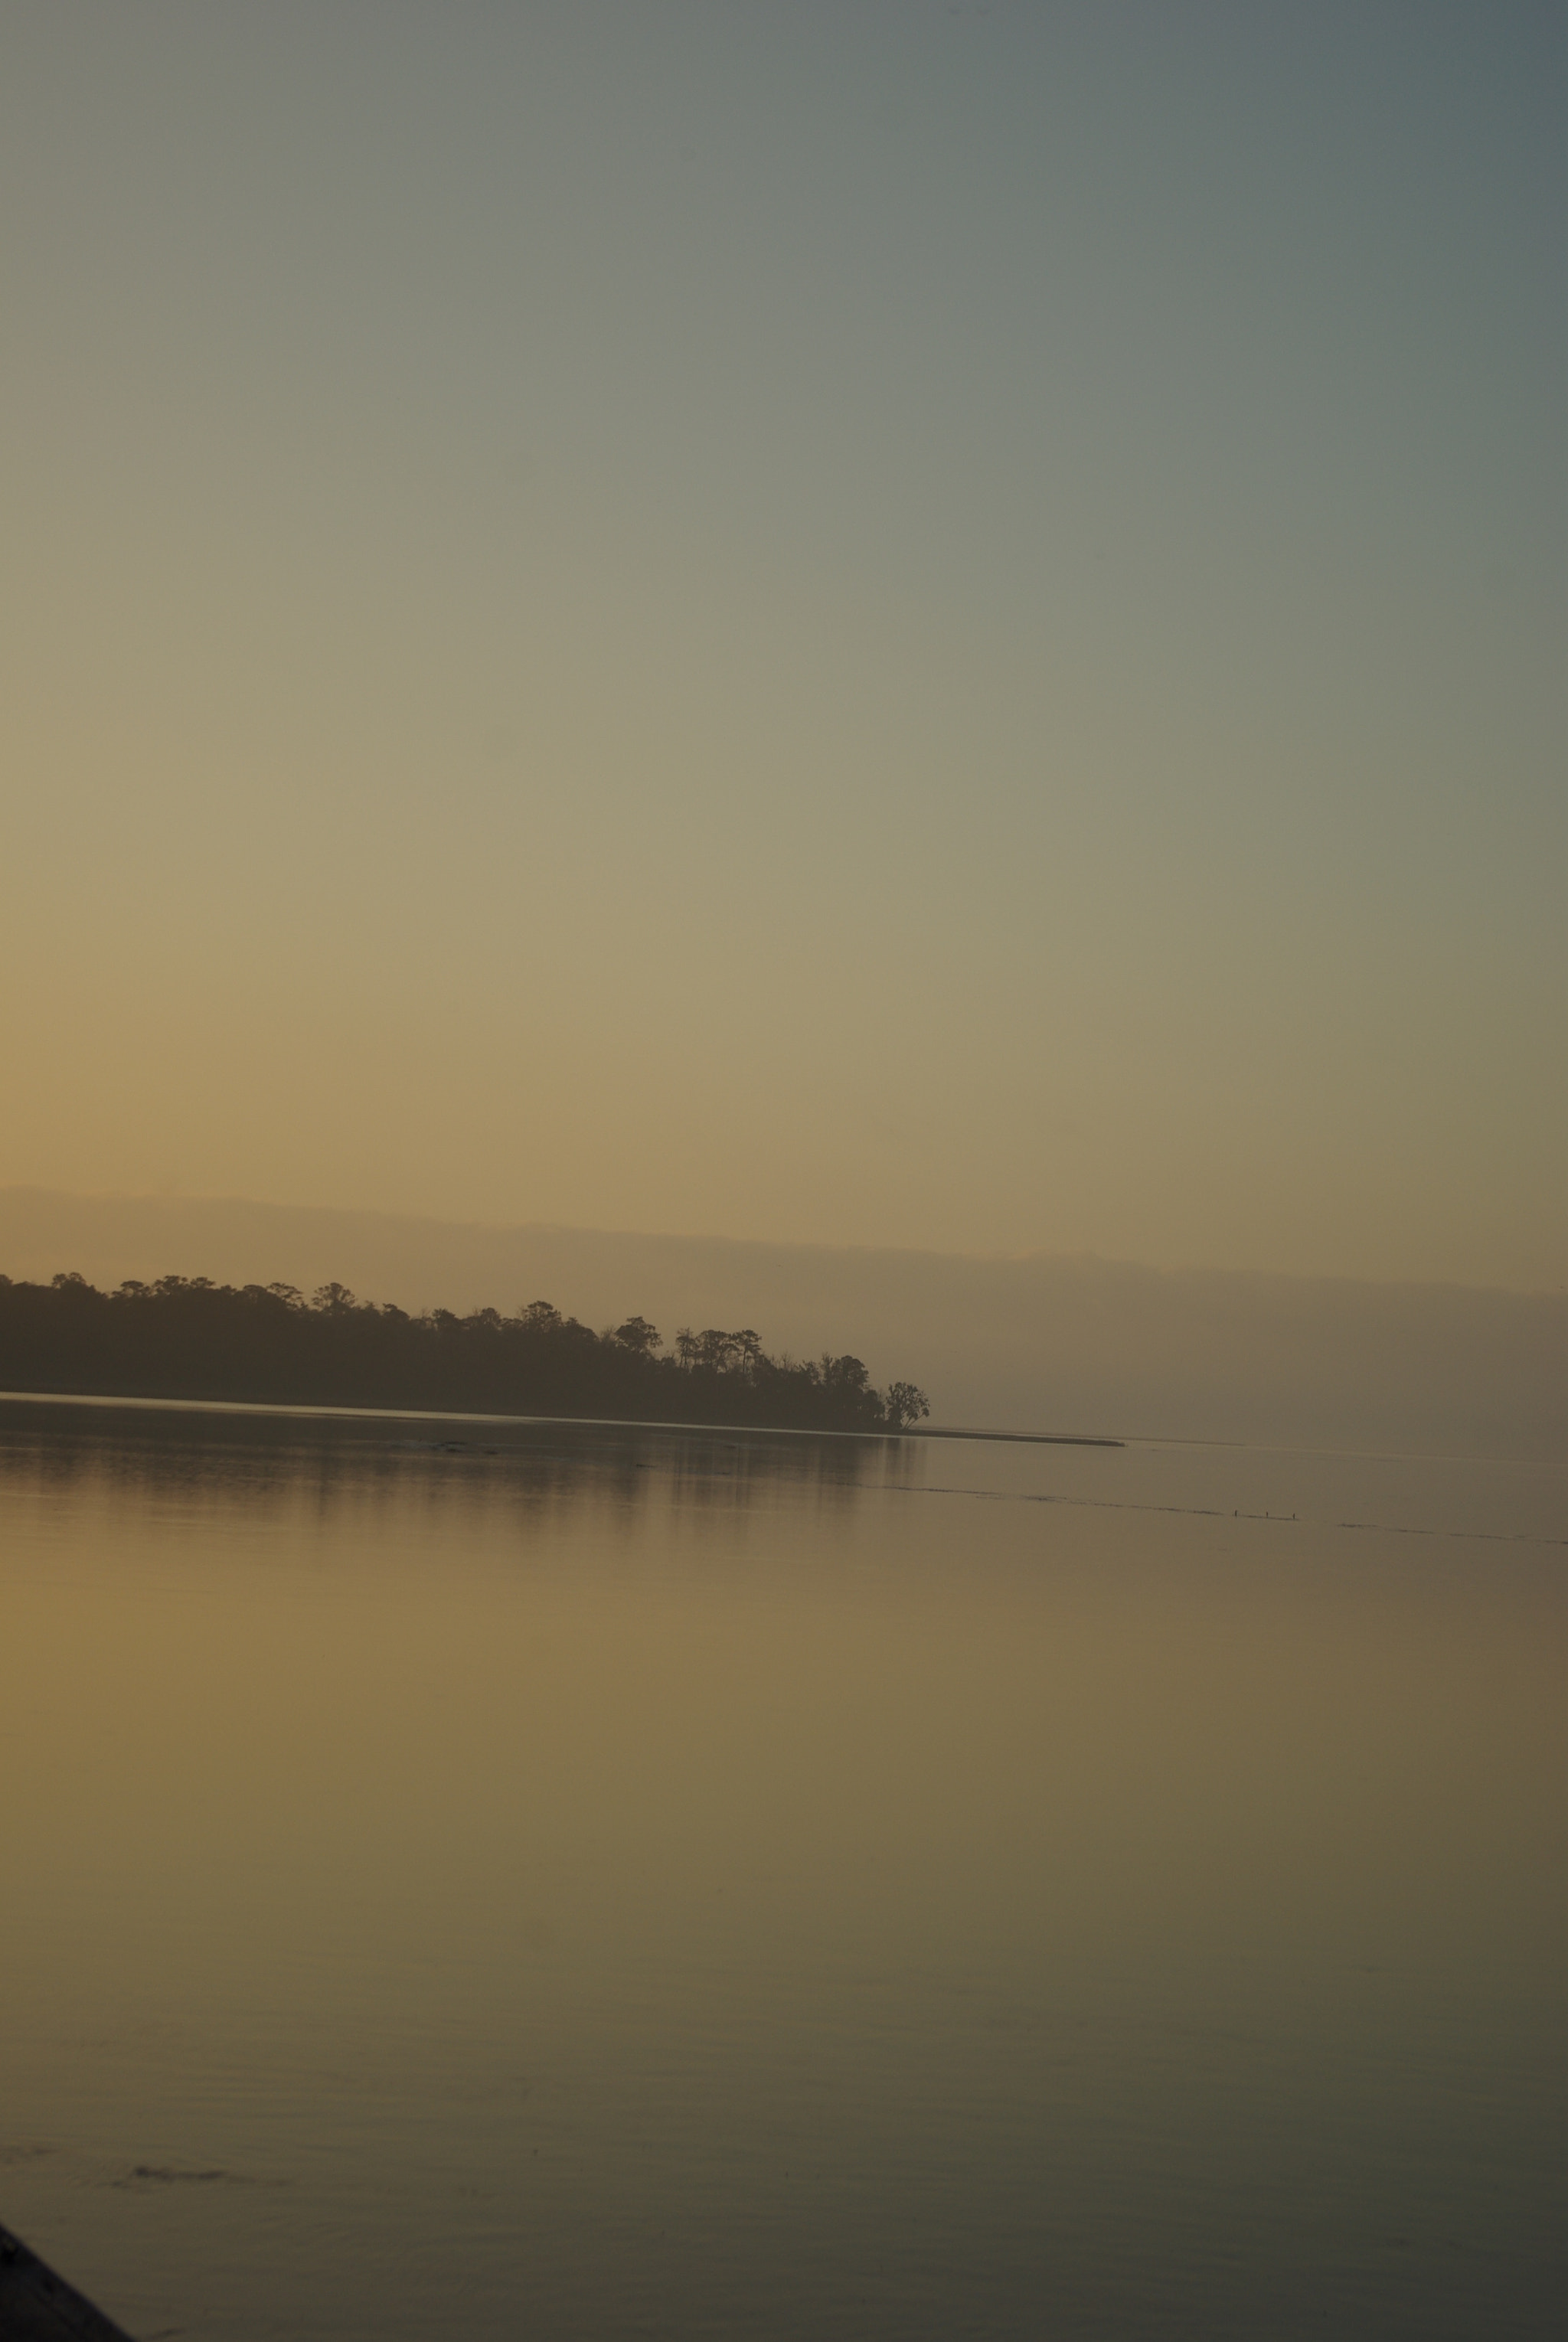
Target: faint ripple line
{"points": [[1215, 1513]]}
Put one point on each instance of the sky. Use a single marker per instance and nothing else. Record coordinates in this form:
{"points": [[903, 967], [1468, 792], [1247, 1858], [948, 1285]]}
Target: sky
{"points": [[918, 625]]}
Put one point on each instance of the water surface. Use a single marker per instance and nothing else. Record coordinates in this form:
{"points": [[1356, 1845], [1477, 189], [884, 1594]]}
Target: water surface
{"points": [[649, 1884]]}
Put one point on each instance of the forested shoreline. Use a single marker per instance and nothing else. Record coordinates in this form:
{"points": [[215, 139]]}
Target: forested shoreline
{"points": [[188, 1337]]}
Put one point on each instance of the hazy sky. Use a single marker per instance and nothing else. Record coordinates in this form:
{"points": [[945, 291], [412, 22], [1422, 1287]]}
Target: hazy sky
{"points": [[877, 623]]}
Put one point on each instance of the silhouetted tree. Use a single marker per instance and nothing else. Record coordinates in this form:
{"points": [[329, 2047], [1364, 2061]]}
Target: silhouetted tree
{"points": [[637, 1335], [905, 1403]]}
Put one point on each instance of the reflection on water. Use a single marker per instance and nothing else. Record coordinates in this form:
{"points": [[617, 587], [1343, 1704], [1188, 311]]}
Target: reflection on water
{"points": [[273, 1457], [649, 1883]]}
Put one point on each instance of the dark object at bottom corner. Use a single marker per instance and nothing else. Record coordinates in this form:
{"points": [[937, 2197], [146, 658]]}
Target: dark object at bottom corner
{"points": [[36, 2305]]}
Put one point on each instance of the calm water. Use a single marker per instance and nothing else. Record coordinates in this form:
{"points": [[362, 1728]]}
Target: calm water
{"points": [[652, 1884]]}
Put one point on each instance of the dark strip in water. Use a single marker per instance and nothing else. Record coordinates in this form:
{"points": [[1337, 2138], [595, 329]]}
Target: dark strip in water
{"points": [[298, 1411], [449, 1415], [36, 2305], [1027, 1438]]}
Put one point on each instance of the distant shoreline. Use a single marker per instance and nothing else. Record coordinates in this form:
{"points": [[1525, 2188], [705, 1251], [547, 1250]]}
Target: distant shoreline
{"points": [[266, 1345], [161, 1406]]}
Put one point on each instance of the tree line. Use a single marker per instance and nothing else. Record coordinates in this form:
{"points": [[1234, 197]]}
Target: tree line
{"points": [[188, 1337]]}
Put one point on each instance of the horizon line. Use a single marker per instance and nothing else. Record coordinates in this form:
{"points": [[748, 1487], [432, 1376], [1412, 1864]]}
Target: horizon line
{"points": [[1036, 1257]]}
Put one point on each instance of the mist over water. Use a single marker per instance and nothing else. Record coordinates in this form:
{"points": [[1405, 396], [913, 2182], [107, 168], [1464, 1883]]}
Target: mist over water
{"points": [[651, 1883]]}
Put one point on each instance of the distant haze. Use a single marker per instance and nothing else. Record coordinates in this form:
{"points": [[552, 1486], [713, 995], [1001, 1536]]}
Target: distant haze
{"points": [[1030, 1344]]}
